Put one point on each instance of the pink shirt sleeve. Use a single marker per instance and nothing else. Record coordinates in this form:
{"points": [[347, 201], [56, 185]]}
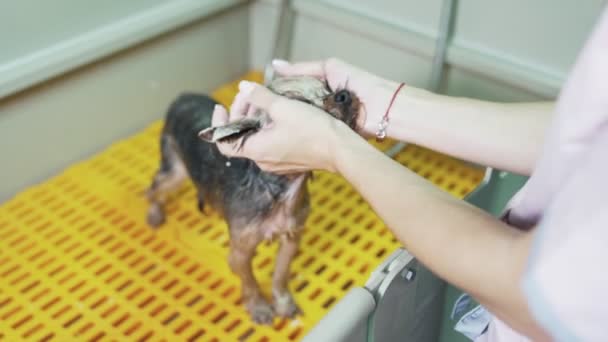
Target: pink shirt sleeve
{"points": [[567, 279]]}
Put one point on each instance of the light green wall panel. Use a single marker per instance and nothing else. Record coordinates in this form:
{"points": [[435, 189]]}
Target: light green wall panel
{"points": [[41, 43], [45, 128], [420, 16], [528, 46], [467, 83], [29, 25], [545, 34], [314, 39]]}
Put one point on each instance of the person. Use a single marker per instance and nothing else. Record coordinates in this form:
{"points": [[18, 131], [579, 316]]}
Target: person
{"points": [[540, 268]]}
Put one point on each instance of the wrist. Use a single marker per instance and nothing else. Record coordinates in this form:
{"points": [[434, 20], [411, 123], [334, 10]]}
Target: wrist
{"points": [[382, 111], [406, 114], [345, 143]]}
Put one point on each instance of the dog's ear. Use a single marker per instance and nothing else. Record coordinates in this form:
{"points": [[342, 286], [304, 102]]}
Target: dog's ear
{"points": [[344, 105], [207, 134], [230, 131]]}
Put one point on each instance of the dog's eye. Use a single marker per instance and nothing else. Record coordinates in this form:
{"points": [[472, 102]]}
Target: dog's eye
{"points": [[342, 97]]}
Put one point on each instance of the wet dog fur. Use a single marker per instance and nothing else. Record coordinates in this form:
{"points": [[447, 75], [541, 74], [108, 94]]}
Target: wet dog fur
{"points": [[256, 205]]}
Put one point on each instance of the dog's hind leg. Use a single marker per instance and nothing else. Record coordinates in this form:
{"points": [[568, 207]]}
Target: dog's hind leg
{"points": [[284, 304], [170, 175]]}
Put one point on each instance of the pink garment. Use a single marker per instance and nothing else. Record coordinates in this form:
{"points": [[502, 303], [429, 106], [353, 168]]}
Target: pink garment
{"points": [[566, 198]]}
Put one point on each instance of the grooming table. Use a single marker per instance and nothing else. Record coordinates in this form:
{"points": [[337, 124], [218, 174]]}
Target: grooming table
{"points": [[79, 263]]}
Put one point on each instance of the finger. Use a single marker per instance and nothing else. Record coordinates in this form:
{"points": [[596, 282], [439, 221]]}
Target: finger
{"points": [[291, 170], [220, 116], [288, 170], [265, 166], [313, 68], [275, 168], [238, 108], [228, 149], [252, 111], [256, 95], [282, 168]]}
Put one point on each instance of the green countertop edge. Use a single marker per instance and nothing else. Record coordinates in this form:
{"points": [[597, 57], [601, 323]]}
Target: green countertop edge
{"points": [[493, 201]]}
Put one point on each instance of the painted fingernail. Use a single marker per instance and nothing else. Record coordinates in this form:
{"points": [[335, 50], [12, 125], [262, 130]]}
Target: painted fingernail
{"points": [[246, 87], [279, 63]]}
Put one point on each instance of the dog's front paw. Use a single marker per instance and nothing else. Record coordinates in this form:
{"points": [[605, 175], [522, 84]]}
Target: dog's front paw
{"points": [[285, 305], [261, 312]]}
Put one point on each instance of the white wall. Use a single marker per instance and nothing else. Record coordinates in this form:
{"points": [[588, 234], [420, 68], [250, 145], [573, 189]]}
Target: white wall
{"points": [[502, 50]]}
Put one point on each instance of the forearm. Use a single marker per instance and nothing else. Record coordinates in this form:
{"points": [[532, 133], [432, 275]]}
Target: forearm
{"points": [[507, 136], [460, 243]]}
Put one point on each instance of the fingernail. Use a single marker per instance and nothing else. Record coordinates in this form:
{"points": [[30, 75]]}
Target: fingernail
{"points": [[217, 107], [246, 87], [279, 62]]}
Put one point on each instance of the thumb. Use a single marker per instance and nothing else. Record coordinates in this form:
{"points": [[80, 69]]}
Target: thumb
{"points": [[254, 95], [219, 116], [313, 68]]}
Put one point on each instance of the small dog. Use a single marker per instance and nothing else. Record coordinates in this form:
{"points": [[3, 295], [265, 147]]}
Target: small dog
{"points": [[256, 205]]}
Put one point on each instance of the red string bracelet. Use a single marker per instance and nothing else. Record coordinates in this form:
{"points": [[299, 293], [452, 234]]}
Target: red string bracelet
{"points": [[381, 134]]}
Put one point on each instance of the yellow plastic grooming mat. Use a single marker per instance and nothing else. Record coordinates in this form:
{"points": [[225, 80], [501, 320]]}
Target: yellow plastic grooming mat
{"points": [[79, 263]]}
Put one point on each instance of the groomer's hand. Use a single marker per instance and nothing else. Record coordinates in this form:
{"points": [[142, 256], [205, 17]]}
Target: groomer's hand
{"points": [[374, 92], [301, 137]]}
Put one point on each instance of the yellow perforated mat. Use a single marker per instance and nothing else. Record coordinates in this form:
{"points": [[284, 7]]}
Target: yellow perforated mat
{"points": [[79, 263]]}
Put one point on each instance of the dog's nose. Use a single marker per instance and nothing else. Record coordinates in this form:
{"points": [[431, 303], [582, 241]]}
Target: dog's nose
{"points": [[342, 97]]}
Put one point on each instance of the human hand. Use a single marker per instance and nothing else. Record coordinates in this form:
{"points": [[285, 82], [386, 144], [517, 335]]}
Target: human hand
{"points": [[300, 136], [373, 91]]}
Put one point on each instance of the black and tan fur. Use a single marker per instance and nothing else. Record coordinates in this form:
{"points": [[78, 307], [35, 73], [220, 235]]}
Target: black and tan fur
{"points": [[256, 205]]}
